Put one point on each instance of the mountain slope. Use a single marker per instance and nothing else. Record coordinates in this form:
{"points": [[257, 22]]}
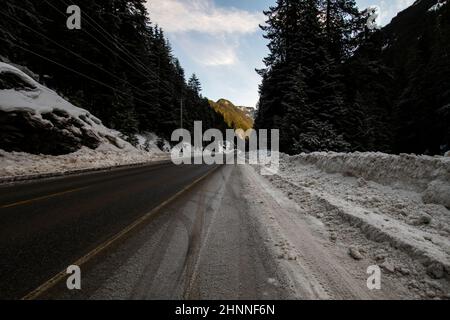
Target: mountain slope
{"points": [[418, 52], [382, 90], [235, 117], [249, 111], [401, 80]]}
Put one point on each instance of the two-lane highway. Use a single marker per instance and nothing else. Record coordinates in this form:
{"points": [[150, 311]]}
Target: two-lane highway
{"points": [[47, 225]]}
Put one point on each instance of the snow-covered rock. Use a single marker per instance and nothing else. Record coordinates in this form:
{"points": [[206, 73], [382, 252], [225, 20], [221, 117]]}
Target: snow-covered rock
{"points": [[355, 253], [37, 120], [438, 6], [436, 270], [150, 142], [388, 266], [43, 134], [438, 192]]}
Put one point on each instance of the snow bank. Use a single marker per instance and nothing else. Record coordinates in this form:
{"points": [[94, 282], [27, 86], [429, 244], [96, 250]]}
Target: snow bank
{"points": [[399, 200], [429, 175], [19, 164]]}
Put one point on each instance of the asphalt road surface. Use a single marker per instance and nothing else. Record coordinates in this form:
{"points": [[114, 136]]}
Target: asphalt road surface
{"points": [[205, 244], [47, 225], [228, 236]]}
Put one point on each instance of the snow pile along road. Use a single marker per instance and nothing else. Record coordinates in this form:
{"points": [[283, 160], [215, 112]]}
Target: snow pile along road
{"points": [[427, 175], [42, 133], [19, 164], [388, 210]]}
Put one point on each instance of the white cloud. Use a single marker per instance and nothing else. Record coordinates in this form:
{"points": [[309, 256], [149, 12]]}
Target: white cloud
{"points": [[208, 50], [207, 33], [390, 8], [179, 16]]}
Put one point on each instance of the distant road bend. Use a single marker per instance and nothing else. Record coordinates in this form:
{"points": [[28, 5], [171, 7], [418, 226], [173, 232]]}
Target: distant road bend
{"points": [[49, 224]]}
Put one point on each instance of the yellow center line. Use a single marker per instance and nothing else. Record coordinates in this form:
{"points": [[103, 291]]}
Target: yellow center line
{"points": [[35, 294], [41, 198]]}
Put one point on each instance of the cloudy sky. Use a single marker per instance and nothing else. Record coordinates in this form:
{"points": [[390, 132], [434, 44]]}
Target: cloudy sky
{"points": [[220, 41]]}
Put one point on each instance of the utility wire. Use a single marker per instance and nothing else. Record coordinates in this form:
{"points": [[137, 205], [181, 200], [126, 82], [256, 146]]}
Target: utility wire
{"points": [[79, 73], [77, 55], [166, 88]]}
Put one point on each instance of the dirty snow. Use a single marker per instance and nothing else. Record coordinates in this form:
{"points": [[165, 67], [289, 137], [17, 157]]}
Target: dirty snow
{"points": [[14, 164], [390, 210]]}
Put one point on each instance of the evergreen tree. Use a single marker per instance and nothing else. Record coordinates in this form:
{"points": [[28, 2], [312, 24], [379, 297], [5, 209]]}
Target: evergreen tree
{"points": [[301, 92], [341, 20], [194, 84], [119, 66]]}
